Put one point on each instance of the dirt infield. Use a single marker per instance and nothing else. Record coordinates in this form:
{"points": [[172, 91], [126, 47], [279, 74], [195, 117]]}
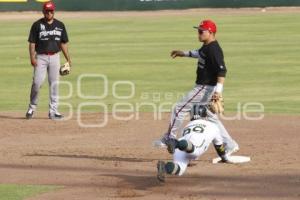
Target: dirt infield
{"points": [[118, 161]]}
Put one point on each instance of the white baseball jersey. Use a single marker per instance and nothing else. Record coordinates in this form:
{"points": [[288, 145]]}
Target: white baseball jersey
{"points": [[201, 133]]}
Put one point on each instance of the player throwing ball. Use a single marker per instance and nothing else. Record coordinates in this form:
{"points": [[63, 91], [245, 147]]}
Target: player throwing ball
{"points": [[47, 38], [211, 72], [197, 136]]}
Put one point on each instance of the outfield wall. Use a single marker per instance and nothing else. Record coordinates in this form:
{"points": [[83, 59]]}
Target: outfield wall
{"points": [[120, 5]]}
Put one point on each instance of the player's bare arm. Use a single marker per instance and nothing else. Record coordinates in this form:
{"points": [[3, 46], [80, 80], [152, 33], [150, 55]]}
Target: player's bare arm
{"points": [[65, 50], [32, 54], [177, 53]]}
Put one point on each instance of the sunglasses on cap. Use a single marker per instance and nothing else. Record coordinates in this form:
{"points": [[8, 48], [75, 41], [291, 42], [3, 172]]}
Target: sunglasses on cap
{"points": [[202, 31], [49, 11]]}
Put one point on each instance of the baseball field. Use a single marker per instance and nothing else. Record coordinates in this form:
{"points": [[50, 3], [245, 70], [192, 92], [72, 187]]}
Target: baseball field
{"points": [[124, 57]]}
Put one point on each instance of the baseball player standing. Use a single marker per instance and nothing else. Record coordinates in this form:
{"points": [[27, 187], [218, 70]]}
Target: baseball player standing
{"points": [[48, 36], [211, 72]]}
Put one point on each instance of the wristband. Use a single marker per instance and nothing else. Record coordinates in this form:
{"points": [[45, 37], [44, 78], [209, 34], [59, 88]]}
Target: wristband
{"points": [[187, 53], [219, 88]]}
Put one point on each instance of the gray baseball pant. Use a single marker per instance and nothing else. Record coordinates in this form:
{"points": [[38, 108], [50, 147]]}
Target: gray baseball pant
{"points": [[200, 94], [46, 64]]}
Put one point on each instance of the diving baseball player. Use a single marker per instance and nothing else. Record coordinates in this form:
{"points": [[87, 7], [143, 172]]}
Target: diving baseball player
{"points": [[211, 72], [197, 136], [47, 38]]}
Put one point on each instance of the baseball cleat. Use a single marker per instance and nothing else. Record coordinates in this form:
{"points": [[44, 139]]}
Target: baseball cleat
{"points": [[55, 116], [171, 145], [234, 147], [161, 172], [161, 143], [29, 113]]}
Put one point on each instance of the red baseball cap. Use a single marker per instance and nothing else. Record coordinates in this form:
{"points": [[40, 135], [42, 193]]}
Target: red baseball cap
{"points": [[49, 6], [207, 25]]}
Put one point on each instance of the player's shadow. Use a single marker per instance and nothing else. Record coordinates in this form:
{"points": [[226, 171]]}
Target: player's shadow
{"points": [[19, 117], [11, 117], [245, 186], [262, 186], [137, 182], [102, 158]]}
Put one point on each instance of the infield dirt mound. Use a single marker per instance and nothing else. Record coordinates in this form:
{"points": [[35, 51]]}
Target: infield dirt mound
{"points": [[119, 162]]}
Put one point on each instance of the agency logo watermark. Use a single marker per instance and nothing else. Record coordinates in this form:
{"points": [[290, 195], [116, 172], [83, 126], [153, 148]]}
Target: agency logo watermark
{"points": [[122, 93]]}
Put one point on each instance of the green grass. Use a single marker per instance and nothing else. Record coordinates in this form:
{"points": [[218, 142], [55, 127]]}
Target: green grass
{"points": [[261, 53], [20, 192]]}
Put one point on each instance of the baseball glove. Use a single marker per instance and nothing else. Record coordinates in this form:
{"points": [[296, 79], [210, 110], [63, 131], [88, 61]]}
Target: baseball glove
{"points": [[216, 106], [65, 69]]}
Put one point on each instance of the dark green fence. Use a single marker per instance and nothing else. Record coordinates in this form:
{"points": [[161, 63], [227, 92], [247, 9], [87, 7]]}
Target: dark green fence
{"points": [[102, 5]]}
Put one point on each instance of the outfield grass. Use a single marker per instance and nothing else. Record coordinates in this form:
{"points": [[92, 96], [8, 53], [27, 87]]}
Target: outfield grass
{"points": [[20, 192], [261, 53]]}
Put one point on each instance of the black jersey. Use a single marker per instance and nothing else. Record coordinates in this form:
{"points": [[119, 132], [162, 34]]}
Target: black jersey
{"points": [[211, 63], [47, 37]]}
